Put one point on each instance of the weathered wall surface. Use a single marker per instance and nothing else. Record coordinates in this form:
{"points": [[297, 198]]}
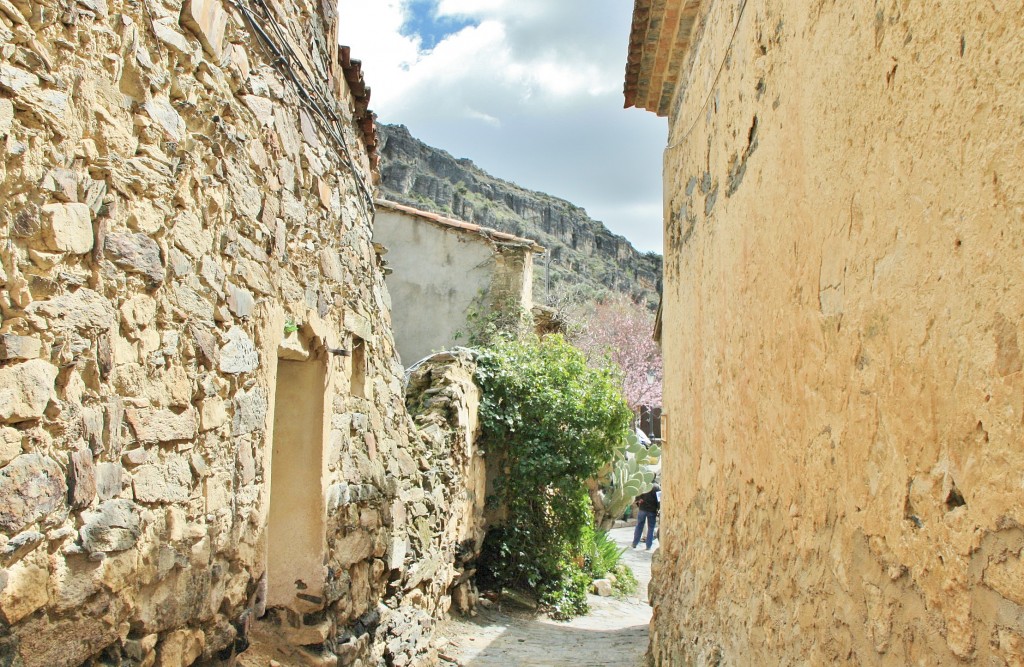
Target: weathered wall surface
{"points": [[844, 469], [444, 401], [438, 274], [446, 281], [175, 220]]}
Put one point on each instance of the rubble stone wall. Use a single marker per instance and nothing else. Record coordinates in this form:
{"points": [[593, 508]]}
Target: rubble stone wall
{"points": [[843, 326], [444, 399], [183, 206]]}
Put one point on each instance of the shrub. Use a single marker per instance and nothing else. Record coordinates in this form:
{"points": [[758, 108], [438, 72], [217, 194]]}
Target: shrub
{"points": [[554, 422], [602, 554], [625, 581]]}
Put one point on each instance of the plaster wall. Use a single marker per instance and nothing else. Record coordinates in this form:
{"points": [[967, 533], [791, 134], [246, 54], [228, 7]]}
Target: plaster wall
{"points": [[440, 277], [296, 529], [843, 320]]}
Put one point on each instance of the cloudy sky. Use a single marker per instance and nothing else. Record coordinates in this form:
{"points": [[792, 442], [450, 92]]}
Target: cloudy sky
{"points": [[530, 90]]}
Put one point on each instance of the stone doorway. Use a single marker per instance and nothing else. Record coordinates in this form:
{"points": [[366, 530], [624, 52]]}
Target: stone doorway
{"points": [[296, 530], [293, 630]]}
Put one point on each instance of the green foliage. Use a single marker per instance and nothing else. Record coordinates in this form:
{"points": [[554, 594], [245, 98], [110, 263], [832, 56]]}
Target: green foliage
{"points": [[625, 581], [554, 422], [290, 326], [489, 319], [566, 596], [601, 553], [630, 475]]}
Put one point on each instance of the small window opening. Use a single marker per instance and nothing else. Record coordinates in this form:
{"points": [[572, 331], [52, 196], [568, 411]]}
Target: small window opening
{"points": [[358, 359]]}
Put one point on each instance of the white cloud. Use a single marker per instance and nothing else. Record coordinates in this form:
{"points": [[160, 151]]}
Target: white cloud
{"points": [[530, 90]]}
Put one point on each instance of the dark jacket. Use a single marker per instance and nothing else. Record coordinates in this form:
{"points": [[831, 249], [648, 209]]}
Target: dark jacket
{"points": [[648, 502]]}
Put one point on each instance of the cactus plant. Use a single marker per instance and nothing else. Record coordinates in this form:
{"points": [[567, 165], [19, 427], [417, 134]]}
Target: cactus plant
{"points": [[630, 475]]}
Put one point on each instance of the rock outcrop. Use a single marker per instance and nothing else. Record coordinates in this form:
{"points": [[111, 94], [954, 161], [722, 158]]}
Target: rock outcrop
{"points": [[584, 254]]}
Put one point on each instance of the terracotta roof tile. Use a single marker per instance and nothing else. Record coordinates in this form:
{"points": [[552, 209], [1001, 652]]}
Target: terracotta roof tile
{"points": [[365, 119]]}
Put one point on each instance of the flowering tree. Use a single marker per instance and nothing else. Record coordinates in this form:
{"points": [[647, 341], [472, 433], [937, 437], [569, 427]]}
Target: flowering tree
{"points": [[620, 330]]}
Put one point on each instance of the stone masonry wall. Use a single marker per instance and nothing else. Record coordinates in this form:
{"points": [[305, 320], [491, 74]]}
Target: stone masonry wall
{"points": [[178, 215], [444, 400], [844, 315]]}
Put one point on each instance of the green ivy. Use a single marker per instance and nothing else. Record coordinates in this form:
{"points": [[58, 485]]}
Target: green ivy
{"points": [[554, 422]]}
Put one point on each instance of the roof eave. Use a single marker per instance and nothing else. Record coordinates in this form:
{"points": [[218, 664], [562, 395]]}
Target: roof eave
{"points": [[660, 38], [455, 224]]}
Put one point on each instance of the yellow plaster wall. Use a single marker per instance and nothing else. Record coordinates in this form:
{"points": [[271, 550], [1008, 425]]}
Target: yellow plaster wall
{"points": [[842, 338]]}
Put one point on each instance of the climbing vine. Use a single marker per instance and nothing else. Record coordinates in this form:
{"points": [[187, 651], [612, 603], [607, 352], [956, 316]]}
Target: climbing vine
{"points": [[554, 422]]}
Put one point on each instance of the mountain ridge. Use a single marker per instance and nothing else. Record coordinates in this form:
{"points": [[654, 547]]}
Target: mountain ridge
{"points": [[584, 257]]}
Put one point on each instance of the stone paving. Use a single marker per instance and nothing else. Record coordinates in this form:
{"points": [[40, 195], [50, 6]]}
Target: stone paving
{"points": [[614, 634]]}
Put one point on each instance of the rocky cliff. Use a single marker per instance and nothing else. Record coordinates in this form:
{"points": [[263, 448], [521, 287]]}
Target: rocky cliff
{"points": [[584, 254]]}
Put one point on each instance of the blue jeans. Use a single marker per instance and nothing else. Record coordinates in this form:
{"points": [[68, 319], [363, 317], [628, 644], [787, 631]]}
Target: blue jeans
{"points": [[651, 518]]}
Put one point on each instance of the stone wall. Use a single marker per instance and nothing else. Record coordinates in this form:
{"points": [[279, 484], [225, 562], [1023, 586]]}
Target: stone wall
{"points": [[186, 212], [842, 337], [444, 399]]}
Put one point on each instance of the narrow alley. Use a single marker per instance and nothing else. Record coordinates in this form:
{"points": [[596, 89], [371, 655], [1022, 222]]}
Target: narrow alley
{"points": [[613, 634]]}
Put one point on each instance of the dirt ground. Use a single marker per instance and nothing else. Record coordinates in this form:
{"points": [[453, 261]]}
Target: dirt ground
{"points": [[613, 634]]}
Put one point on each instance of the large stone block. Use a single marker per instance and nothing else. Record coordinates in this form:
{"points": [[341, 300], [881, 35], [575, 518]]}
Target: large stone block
{"points": [[80, 311], [31, 487], [138, 312], [161, 111], [250, 411], [152, 425], [19, 546], [189, 235], [19, 347], [181, 648], [25, 590], [238, 355], [195, 306], [108, 480], [10, 444], [25, 390], [164, 31], [167, 482], [212, 413], [353, 548], [16, 80], [135, 253], [6, 116], [68, 228], [81, 479], [208, 20], [114, 526], [240, 301]]}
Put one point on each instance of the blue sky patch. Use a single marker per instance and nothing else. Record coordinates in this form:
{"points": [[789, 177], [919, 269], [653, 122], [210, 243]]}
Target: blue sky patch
{"points": [[431, 29]]}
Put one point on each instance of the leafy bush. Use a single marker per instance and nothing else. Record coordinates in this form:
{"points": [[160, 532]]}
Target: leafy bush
{"points": [[554, 422], [625, 581], [601, 553]]}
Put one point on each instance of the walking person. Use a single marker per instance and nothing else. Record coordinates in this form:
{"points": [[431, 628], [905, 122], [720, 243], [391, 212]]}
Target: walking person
{"points": [[647, 505]]}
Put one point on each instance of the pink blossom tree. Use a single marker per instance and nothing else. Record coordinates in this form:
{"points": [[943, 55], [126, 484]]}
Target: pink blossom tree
{"points": [[620, 330]]}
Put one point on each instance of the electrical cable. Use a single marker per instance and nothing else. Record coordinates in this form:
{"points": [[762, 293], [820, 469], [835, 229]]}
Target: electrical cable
{"points": [[714, 84], [283, 59]]}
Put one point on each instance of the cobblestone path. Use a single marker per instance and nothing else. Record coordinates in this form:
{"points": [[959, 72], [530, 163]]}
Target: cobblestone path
{"points": [[614, 634]]}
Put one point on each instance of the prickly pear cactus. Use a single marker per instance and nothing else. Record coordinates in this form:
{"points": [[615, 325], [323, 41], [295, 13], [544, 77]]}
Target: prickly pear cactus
{"points": [[631, 476]]}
